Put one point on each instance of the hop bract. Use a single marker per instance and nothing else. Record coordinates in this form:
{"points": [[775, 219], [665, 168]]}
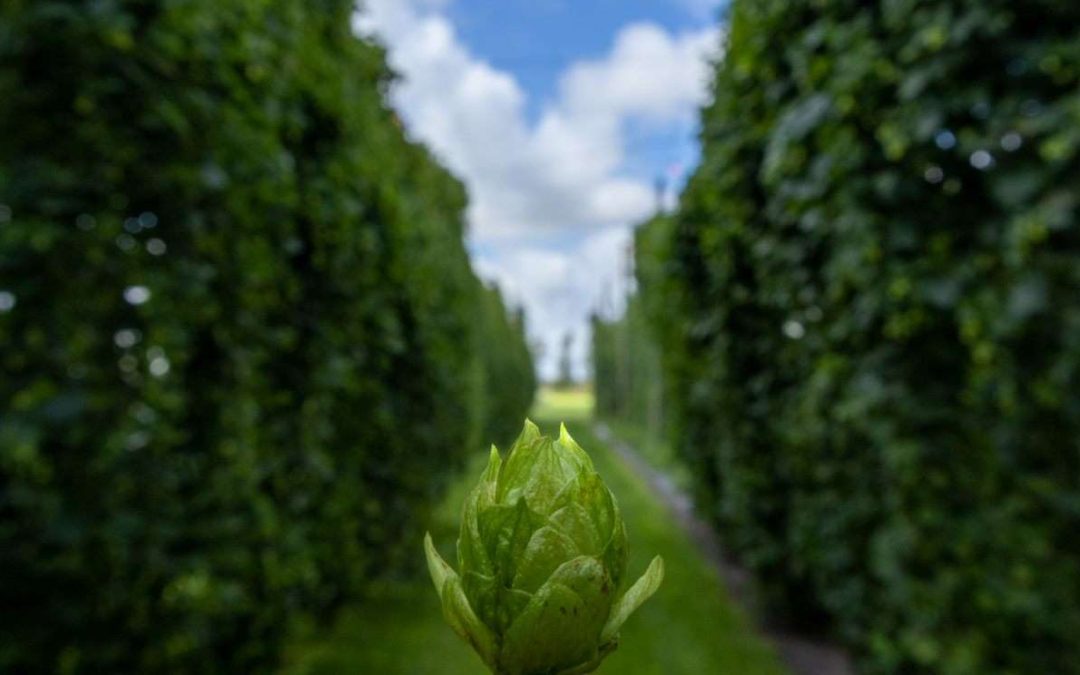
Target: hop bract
{"points": [[541, 561]]}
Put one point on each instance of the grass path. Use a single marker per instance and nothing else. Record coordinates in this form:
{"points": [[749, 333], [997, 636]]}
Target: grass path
{"points": [[689, 628]]}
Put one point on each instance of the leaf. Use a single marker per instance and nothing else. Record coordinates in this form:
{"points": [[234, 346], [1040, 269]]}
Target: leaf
{"points": [[548, 548], [471, 552], [461, 617], [615, 552], [558, 629], [574, 452], [641, 591], [481, 590], [539, 468], [574, 521], [437, 567], [533, 471], [589, 492], [505, 531], [456, 608]]}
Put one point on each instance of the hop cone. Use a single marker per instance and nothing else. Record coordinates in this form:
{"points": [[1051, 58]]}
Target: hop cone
{"points": [[541, 562]]}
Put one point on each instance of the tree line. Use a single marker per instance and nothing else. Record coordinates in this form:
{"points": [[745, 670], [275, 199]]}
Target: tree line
{"points": [[867, 319], [242, 342]]}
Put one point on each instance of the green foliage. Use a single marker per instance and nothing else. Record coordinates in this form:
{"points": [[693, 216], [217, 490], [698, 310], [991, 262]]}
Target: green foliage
{"points": [[509, 381], [627, 374], [246, 343], [871, 327], [540, 587], [566, 361], [628, 369]]}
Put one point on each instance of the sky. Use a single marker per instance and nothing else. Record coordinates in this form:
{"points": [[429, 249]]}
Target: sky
{"points": [[560, 116]]}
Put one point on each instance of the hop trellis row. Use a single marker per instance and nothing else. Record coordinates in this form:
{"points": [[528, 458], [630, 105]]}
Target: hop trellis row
{"points": [[542, 555]]}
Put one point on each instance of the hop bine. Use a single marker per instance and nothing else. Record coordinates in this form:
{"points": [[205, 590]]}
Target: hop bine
{"points": [[541, 562]]}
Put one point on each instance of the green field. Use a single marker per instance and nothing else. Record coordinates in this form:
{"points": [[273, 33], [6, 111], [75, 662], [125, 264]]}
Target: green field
{"points": [[689, 628]]}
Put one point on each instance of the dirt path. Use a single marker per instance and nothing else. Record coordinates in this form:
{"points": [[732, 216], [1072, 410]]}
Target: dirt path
{"points": [[802, 656]]}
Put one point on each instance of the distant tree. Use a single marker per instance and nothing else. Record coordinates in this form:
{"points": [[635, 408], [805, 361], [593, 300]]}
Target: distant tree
{"points": [[539, 349], [566, 365]]}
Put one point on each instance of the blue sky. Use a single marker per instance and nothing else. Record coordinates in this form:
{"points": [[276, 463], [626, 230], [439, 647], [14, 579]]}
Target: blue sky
{"points": [[559, 116], [537, 40]]}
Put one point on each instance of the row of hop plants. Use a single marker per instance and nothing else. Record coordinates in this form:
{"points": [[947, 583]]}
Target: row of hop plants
{"points": [[868, 312], [242, 343], [628, 378]]}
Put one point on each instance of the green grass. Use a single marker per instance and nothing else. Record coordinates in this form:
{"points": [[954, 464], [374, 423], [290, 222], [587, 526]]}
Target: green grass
{"points": [[400, 629], [573, 404], [655, 449], [689, 627]]}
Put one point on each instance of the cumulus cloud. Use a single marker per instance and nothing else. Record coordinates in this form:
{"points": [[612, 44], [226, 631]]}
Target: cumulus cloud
{"points": [[561, 288], [648, 73], [558, 178]]}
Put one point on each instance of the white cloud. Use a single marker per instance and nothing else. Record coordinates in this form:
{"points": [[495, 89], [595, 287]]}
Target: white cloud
{"points": [[558, 177], [649, 73], [561, 288]]}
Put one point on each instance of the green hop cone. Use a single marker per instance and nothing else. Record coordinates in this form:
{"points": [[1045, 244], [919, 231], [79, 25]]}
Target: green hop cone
{"points": [[541, 560]]}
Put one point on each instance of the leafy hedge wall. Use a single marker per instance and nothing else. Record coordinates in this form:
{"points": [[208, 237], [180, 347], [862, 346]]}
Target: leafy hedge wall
{"points": [[509, 378], [872, 324], [628, 378], [242, 342]]}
